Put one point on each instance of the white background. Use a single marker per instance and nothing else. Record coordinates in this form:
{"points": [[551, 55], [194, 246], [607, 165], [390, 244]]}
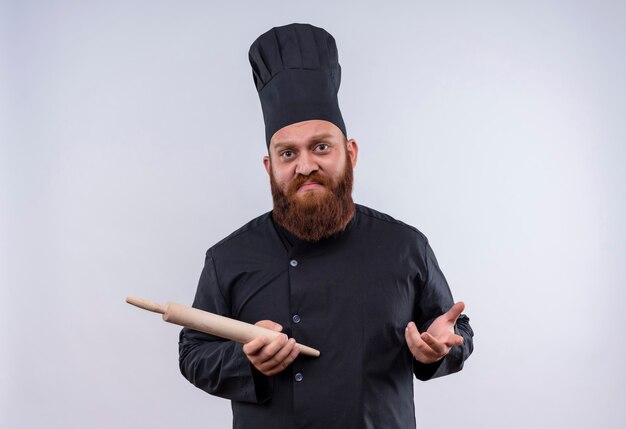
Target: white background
{"points": [[131, 141]]}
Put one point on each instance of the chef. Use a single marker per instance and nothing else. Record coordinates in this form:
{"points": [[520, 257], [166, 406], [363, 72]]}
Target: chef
{"points": [[360, 286]]}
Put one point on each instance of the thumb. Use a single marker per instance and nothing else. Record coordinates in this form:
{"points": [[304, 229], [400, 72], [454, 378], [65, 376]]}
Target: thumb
{"points": [[268, 324], [455, 311]]}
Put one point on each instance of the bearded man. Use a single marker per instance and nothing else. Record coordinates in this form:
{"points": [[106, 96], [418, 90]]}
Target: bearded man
{"points": [[360, 286]]}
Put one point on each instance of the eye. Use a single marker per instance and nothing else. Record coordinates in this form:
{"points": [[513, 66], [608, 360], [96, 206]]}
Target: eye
{"points": [[287, 154], [322, 147]]}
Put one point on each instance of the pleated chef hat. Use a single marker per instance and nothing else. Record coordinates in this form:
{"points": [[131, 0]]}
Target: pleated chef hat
{"points": [[297, 74]]}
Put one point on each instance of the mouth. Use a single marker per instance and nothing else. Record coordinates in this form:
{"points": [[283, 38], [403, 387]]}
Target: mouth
{"points": [[310, 186]]}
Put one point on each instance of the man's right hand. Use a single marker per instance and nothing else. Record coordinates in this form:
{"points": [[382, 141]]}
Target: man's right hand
{"points": [[271, 357]]}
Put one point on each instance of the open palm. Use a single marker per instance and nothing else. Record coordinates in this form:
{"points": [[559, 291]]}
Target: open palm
{"points": [[439, 338]]}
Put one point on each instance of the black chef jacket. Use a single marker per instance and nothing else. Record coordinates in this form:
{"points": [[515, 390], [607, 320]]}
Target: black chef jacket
{"points": [[349, 296]]}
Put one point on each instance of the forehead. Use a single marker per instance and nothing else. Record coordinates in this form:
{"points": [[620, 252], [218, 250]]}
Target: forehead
{"points": [[305, 132]]}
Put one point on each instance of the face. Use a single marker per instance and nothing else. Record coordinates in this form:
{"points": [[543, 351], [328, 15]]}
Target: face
{"points": [[310, 167], [303, 149]]}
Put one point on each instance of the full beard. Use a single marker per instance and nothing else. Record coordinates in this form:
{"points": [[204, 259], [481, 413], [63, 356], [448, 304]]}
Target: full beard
{"points": [[318, 214]]}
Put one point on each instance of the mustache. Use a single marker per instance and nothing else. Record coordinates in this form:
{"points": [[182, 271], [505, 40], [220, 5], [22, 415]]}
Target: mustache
{"points": [[313, 177]]}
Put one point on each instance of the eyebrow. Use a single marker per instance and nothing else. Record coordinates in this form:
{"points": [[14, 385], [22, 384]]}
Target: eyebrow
{"points": [[315, 138]]}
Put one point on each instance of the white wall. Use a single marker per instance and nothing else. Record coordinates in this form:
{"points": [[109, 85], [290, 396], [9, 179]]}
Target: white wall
{"points": [[131, 141]]}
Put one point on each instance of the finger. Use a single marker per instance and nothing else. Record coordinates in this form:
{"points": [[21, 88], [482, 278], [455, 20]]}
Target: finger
{"points": [[454, 340], [295, 351], [411, 334], [423, 353], [288, 361], [268, 324], [437, 346], [450, 340], [455, 311], [251, 348], [272, 348], [281, 359], [419, 349], [280, 355], [294, 354]]}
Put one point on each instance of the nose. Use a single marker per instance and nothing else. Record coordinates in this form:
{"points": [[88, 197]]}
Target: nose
{"points": [[306, 164]]}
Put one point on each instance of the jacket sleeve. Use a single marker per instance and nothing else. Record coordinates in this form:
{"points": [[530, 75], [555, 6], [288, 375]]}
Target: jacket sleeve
{"points": [[433, 300], [213, 364]]}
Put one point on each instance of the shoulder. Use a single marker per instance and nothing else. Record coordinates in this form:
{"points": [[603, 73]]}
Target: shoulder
{"points": [[257, 230], [375, 219]]}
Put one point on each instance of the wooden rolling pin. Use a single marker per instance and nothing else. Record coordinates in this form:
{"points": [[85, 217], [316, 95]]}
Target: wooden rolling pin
{"points": [[210, 323]]}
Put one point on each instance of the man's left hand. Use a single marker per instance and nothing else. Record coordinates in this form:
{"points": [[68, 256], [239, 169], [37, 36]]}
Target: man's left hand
{"points": [[436, 342]]}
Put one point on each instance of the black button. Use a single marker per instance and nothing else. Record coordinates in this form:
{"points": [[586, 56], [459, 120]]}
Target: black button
{"points": [[296, 318]]}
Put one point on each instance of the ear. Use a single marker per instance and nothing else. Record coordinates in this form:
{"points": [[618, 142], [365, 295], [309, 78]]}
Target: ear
{"points": [[353, 151], [267, 164]]}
